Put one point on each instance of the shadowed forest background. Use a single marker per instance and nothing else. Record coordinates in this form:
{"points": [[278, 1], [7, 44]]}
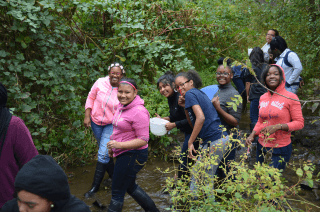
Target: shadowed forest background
{"points": [[52, 51]]}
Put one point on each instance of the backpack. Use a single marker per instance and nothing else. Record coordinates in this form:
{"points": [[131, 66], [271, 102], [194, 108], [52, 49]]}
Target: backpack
{"points": [[285, 59]]}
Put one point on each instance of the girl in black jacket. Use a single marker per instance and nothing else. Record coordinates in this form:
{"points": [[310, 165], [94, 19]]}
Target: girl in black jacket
{"points": [[177, 117]]}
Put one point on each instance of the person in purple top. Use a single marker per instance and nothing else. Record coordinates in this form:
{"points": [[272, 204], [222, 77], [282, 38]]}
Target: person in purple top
{"points": [[16, 148]]}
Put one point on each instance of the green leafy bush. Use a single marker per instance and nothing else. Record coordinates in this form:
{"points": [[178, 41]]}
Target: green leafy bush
{"points": [[260, 188], [51, 52]]}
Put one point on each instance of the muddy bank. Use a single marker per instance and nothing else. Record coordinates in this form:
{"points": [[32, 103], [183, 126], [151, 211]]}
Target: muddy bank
{"points": [[151, 180], [148, 178]]}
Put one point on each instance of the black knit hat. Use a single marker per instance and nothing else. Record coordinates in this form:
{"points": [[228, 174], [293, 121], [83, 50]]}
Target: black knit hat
{"points": [[44, 177]]}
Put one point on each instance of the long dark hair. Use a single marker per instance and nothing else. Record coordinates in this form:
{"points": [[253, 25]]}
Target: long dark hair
{"points": [[5, 116], [192, 75], [256, 57]]}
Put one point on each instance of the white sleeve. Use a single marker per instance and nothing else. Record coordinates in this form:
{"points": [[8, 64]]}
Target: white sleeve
{"points": [[294, 60]]}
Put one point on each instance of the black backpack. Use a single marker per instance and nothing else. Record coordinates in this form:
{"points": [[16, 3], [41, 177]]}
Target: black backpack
{"points": [[285, 59]]}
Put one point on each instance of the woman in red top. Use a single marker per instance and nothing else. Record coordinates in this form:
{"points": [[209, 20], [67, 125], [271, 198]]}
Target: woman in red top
{"points": [[278, 117]]}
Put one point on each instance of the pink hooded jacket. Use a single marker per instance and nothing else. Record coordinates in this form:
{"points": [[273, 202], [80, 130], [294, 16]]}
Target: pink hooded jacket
{"points": [[103, 101], [130, 122], [275, 109]]}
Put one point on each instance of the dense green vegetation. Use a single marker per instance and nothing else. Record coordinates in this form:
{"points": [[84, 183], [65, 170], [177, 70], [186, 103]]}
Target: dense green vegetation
{"points": [[245, 188], [51, 53]]}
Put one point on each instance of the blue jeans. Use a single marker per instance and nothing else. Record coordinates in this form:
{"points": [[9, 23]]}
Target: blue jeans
{"points": [[127, 166], [280, 156], [293, 89], [209, 169], [184, 153], [230, 155], [254, 110], [102, 134]]}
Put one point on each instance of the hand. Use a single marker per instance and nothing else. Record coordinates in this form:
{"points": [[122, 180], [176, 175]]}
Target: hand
{"points": [[248, 99], [110, 153], [269, 130], [169, 126], [181, 101], [191, 149], [301, 83], [87, 122], [249, 140], [158, 115], [114, 144], [216, 102], [271, 56]]}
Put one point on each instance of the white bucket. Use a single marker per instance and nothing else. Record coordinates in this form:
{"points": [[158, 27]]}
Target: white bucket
{"points": [[157, 126]]}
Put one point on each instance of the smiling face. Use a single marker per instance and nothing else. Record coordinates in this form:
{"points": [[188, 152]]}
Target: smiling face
{"points": [[270, 34], [273, 78], [165, 90], [224, 75], [126, 93], [29, 202], [115, 75], [183, 84]]}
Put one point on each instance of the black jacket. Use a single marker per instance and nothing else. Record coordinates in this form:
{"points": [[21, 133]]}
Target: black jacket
{"points": [[44, 177], [256, 90], [177, 114]]}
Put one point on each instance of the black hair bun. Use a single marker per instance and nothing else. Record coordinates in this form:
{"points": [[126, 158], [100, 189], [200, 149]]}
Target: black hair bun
{"points": [[221, 59]]}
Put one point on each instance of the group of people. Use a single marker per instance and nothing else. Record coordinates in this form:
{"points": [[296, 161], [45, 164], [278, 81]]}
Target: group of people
{"points": [[276, 112], [120, 123]]}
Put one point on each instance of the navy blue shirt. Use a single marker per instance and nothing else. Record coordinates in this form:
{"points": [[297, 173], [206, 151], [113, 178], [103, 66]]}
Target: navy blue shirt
{"points": [[210, 130]]}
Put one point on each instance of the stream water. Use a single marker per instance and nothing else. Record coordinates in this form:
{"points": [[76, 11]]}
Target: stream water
{"points": [[152, 180]]}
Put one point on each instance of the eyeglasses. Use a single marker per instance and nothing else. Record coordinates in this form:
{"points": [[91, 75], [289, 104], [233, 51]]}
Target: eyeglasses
{"points": [[225, 74], [182, 84], [115, 73], [271, 35]]}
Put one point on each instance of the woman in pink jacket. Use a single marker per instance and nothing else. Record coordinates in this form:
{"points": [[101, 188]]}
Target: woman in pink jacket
{"points": [[278, 117], [129, 145], [101, 104]]}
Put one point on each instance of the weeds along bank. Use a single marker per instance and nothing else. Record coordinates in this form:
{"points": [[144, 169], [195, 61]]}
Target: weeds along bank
{"points": [[51, 52]]}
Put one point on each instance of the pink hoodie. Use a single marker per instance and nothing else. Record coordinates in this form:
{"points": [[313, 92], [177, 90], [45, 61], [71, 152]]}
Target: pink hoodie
{"points": [[103, 101], [275, 109], [130, 122]]}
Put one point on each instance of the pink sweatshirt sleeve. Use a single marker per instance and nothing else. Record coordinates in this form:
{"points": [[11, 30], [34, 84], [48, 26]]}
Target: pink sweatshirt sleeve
{"points": [[297, 122], [259, 124], [141, 124], [92, 96]]}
